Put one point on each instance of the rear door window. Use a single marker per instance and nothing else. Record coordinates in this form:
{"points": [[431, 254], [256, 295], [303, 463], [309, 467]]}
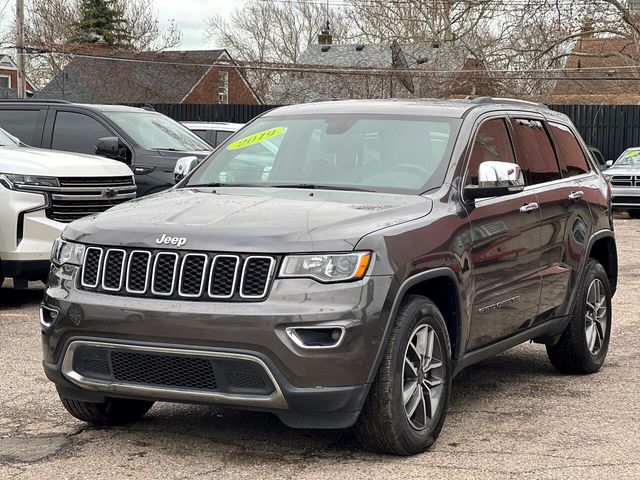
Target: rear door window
{"points": [[22, 124], [76, 132], [536, 151], [491, 143], [221, 136], [573, 157]]}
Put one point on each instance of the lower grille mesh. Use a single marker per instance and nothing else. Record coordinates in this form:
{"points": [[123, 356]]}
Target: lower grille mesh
{"points": [[160, 370]]}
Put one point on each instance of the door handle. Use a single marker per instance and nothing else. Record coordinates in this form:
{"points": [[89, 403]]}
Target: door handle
{"points": [[576, 195], [529, 207]]}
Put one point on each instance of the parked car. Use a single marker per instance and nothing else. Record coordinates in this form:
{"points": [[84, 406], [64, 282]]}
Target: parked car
{"points": [[214, 133], [149, 142], [624, 177], [385, 247], [42, 191], [597, 156]]}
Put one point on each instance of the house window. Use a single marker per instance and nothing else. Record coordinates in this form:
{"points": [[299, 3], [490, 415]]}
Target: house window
{"points": [[223, 87], [5, 81]]}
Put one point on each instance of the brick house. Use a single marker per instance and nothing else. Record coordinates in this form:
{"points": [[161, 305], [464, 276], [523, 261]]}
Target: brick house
{"points": [[195, 76], [464, 75], [599, 71], [9, 78]]}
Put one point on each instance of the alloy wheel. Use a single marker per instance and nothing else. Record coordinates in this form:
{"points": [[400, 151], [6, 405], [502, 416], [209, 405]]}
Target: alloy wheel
{"points": [[423, 373], [596, 316]]}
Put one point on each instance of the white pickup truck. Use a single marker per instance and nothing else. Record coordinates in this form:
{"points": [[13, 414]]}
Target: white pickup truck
{"points": [[41, 191]]}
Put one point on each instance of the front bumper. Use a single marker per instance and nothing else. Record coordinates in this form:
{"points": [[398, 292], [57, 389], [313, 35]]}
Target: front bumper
{"points": [[625, 197], [312, 387], [26, 234]]}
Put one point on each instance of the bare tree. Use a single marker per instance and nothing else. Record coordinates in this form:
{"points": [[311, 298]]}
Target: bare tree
{"points": [[270, 31], [51, 26]]}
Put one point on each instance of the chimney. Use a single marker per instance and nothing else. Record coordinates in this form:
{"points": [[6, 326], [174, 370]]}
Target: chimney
{"points": [[325, 37]]}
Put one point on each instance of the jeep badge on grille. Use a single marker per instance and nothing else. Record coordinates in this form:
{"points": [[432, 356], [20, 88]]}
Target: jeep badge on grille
{"points": [[166, 240]]}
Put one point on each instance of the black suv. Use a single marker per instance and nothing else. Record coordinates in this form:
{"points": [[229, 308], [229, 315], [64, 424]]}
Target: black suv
{"points": [[338, 264], [148, 141]]}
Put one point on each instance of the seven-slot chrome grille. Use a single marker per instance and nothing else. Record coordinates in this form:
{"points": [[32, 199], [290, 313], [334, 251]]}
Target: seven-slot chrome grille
{"points": [[185, 275]]}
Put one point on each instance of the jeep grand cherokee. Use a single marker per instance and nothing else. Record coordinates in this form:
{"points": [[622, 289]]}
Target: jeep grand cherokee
{"points": [[338, 264]]}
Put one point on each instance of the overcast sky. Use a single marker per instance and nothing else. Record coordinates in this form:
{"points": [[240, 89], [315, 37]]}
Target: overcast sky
{"points": [[189, 15]]}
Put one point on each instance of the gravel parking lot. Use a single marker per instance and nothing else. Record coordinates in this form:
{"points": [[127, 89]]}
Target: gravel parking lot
{"points": [[511, 416]]}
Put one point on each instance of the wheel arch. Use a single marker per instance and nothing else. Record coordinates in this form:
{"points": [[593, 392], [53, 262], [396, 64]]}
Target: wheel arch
{"points": [[440, 285], [602, 247]]}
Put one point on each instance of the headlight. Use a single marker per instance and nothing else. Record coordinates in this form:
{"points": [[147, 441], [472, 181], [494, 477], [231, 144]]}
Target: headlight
{"points": [[64, 252], [30, 182], [327, 268]]}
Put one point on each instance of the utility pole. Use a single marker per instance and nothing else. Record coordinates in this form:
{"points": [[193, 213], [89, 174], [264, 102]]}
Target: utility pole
{"points": [[20, 50]]}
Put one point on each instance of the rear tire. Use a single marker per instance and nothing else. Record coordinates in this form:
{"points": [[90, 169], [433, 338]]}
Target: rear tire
{"points": [[583, 346], [114, 411], [634, 213], [408, 401]]}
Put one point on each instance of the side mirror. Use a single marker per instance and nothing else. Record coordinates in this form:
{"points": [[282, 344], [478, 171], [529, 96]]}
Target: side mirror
{"points": [[609, 163], [183, 167], [496, 179], [109, 147]]}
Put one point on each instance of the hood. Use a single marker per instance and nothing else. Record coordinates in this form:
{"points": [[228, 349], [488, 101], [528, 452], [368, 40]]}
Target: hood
{"points": [[609, 172], [251, 220], [51, 163]]}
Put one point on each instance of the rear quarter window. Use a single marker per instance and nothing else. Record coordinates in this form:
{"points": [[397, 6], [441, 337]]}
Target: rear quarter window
{"points": [[573, 157], [22, 124]]}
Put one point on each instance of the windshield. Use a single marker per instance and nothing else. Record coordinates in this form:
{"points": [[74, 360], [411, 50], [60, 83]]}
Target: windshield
{"points": [[154, 131], [7, 140], [629, 158], [392, 153]]}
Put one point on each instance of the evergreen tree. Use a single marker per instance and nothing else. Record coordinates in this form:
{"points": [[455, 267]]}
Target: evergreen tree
{"points": [[102, 21]]}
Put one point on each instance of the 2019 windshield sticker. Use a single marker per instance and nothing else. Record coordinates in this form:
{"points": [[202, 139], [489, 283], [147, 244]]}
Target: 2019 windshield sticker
{"points": [[257, 138]]}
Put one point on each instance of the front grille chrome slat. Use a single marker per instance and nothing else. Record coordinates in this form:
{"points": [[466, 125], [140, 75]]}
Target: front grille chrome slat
{"points": [[256, 274], [138, 272], [192, 275], [163, 279], [223, 276], [113, 269], [173, 275]]}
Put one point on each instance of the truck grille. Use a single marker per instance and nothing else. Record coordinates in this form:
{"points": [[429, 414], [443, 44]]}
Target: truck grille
{"points": [[161, 274], [78, 197], [625, 180]]}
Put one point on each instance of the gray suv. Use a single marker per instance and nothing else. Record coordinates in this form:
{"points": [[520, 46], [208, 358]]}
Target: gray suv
{"points": [[338, 264]]}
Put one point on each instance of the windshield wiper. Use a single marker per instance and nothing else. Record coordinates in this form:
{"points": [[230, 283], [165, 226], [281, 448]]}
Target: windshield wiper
{"points": [[313, 186]]}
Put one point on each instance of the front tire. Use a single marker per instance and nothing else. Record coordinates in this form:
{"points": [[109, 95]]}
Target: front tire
{"points": [[408, 401], [584, 344], [634, 213], [113, 411]]}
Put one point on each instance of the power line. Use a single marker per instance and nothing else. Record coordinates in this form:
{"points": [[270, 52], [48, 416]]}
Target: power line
{"points": [[312, 68]]}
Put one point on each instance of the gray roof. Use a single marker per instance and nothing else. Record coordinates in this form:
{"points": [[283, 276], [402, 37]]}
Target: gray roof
{"points": [[448, 55], [165, 77], [305, 86]]}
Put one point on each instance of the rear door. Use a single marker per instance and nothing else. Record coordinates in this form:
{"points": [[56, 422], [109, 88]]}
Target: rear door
{"points": [[564, 215], [505, 243]]}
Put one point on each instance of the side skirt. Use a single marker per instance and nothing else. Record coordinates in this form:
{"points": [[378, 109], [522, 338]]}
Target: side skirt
{"points": [[548, 329]]}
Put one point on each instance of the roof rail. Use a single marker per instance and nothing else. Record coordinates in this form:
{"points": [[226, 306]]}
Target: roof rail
{"points": [[31, 100], [514, 101]]}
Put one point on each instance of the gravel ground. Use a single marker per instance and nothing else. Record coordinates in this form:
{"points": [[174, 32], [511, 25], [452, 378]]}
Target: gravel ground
{"points": [[511, 416]]}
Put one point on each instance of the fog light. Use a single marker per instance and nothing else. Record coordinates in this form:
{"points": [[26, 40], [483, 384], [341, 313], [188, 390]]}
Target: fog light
{"points": [[316, 337], [48, 316]]}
